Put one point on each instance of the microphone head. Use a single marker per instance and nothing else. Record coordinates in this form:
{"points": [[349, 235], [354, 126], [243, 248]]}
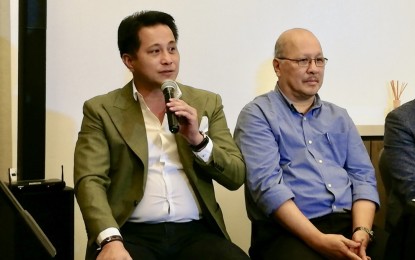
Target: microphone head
{"points": [[168, 83]]}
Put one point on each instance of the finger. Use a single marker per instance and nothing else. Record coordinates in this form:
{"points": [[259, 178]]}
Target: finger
{"points": [[353, 256], [362, 253], [182, 107], [350, 243], [176, 104], [354, 250], [186, 113]]}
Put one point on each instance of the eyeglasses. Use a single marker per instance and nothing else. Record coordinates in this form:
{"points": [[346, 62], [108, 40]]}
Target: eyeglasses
{"points": [[320, 62]]}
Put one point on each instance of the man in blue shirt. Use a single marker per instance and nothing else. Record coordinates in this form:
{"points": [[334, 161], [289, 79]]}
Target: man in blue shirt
{"points": [[311, 188]]}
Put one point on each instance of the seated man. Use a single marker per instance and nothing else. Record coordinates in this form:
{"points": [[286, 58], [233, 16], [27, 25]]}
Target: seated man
{"points": [[399, 152], [145, 192], [399, 156], [311, 188]]}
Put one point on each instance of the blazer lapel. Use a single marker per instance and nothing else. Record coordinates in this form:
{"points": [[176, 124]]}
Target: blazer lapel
{"points": [[128, 119], [185, 153], [186, 157]]}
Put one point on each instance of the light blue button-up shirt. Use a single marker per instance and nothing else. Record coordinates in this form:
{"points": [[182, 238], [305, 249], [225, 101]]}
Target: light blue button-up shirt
{"points": [[317, 159]]}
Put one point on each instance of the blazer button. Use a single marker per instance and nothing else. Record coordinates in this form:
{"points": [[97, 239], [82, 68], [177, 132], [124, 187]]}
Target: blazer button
{"points": [[135, 203]]}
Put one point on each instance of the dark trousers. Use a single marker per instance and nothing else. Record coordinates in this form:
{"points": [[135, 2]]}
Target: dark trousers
{"points": [[401, 243], [271, 241], [191, 240]]}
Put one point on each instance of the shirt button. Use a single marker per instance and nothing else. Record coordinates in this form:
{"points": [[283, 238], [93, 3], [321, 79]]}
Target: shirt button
{"points": [[310, 142], [329, 185], [304, 118], [320, 161], [334, 207]]}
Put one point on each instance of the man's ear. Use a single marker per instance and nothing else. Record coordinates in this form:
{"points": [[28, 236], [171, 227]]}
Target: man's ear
{"points": [[276, 64], [128, 61]]}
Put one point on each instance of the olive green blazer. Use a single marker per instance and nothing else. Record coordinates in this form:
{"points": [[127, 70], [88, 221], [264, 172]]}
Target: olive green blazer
{"points": [[111, 160]]}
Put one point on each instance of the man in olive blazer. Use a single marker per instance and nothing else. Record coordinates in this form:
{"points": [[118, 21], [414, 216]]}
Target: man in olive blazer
{"points": [[145, 191], [111, 160]]}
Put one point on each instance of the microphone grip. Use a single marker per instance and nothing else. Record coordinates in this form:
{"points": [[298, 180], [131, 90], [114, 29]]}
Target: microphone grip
{"points": [[173, 122], [171, 117]]}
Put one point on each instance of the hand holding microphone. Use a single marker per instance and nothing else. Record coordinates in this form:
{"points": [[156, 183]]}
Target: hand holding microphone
{"points": [[189, 127], [169, 87]]}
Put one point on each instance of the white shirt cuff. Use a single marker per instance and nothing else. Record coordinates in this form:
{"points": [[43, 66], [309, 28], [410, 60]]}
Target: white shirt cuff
{"points": [[107, 233], [206, 153]]}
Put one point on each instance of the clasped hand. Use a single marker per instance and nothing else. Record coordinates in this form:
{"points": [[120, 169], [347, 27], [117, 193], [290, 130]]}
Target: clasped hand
{"points": [[339, 247]]}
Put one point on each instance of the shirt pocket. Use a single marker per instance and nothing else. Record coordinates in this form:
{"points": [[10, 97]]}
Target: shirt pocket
{"points": [[334, 146]]}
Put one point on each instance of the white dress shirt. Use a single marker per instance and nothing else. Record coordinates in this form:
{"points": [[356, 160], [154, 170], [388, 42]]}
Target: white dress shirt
{"points": [[168, 195]]}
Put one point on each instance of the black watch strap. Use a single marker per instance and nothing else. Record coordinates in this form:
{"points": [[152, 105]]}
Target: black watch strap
{"points": [[110, 239], [199, 147]]}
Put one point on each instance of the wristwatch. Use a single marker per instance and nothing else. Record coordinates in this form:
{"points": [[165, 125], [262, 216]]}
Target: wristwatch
{"points": [[199, 147], [368, 231]]}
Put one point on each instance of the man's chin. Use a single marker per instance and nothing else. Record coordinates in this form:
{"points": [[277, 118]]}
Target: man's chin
{"points": [[313, 88], [168, 76]]}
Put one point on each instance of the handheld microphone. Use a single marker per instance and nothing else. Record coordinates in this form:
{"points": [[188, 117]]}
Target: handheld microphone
{"points": [[169, 87]]}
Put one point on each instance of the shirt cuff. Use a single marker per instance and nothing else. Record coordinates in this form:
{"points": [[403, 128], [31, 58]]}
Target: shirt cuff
{"points": [[206, 153], [107, 233]]}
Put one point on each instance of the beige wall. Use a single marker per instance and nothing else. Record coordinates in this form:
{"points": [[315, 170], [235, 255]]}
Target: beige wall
{"points": [[5, 91], [226, 47]]}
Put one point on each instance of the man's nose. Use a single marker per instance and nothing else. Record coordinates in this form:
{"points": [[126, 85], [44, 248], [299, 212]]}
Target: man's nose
{"points": [[166, 57], [312, 66]]}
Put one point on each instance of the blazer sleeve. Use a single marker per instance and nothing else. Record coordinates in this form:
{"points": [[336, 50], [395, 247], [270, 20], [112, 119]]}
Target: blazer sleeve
{"points": [[91, 167], [227, 166], [399, 142]]}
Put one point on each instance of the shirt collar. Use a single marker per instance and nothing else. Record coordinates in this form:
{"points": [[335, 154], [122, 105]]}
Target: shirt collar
{"points": [[316, 103], [137, 95]]}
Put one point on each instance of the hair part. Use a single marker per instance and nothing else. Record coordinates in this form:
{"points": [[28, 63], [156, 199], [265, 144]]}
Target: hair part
{"points": [[128, 39]]}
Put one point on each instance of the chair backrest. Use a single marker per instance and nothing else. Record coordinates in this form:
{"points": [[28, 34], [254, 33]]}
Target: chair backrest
{"points": [[385, 172]]}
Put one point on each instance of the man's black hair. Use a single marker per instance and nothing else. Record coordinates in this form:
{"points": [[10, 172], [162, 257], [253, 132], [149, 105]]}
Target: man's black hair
{"points": [[128, 40]]}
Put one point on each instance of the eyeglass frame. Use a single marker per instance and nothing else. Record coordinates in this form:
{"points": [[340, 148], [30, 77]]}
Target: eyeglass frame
{"points": [[308, 61]]}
